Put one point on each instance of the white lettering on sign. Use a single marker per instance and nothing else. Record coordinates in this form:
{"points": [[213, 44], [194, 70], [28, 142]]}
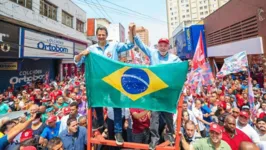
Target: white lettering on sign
{"points": [[3, 35], [16, 80]]}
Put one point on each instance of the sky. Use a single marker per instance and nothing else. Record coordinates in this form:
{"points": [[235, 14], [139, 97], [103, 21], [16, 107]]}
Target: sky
{"points": [[157, 25]]}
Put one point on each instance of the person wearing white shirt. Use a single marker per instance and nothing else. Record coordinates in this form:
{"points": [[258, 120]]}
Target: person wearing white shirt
{"points": [[242, 124], [199, 116], [73, 113]]}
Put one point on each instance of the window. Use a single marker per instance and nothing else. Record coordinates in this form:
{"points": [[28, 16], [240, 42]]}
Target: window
{"points": [[67, 19], [24, 3], [187, 5], [171, 18], [170, 8], [188, 16], [183, 16], [200, 8], [201, 13], [175, 18], [80, 26], [47, 9], [206, 12], [172, 23], [205, 7], [187, 10]]}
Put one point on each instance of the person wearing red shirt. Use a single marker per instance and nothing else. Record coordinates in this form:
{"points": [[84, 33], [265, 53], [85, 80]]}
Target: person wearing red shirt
{"points": [[232, 135], [55, 94], [141, 124]]}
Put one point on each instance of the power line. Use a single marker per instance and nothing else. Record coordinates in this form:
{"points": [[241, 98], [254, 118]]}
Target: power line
{"points": [[93, 10], [100, 11], [133, 11], [121, 12], [105, 11]]}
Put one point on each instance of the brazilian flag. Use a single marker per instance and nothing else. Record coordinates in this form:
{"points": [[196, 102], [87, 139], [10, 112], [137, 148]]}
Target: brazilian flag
{"points": [[114, 84]]}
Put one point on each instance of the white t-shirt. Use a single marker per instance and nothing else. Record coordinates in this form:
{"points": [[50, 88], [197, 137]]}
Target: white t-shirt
{"points": [[198, 114], [250, 132]]}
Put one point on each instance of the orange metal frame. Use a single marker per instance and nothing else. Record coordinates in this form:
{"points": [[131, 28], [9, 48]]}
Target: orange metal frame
{"points": [[164, 146]]}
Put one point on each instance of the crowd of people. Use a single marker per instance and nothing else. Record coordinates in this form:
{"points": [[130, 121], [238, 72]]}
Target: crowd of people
{"points": [[219, 117]]}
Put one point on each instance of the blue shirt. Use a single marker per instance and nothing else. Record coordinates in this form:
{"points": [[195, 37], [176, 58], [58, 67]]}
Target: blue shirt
{"points": [[49, 133], [154, 55], [206, 110], [111, 50], [76, 141], [3, 142]]}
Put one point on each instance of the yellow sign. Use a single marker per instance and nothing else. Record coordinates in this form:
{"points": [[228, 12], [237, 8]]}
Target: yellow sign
{"points": [[8, 65]]}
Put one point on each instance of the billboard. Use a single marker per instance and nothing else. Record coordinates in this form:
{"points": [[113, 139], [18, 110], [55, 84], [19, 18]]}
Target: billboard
{"points": [[28, 70], [9, 40], [43, 46], [186, 41], [91, 27]]}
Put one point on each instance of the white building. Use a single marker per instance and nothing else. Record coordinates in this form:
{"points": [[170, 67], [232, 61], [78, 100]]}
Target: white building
{"points": [[41, 32], [189, 11], [116, 32]]}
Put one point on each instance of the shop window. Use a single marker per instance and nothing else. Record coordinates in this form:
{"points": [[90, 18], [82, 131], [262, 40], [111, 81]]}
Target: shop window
{"points": [[24, 3], [67, 19], [80, 26], [47, 9]]}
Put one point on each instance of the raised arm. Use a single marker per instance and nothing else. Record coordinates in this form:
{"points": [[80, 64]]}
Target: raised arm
{"points": [[122, 47]]}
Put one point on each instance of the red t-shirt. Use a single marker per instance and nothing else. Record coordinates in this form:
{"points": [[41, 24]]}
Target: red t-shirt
{"points": [[139, 125], [234, 142], [54, 94]]}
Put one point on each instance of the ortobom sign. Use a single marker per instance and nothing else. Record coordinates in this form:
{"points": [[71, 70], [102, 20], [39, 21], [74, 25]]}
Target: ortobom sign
{"points": [[44, 46]]}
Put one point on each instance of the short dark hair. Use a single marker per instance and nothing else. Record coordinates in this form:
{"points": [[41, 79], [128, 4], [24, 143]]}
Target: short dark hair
{"points": [[71, 119], [4, 126], [74, 104], [53, 142], [102, 28], [189, 122]]}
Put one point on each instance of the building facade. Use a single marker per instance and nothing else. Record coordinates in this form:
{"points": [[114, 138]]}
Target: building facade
{"points": [[143, 34], [38, 38], [116, 32], [93, 24], [189, 11], [228, 33]]}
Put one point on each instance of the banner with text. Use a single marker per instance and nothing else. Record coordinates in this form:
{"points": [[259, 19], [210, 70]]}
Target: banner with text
{"points": [[44, 46]]}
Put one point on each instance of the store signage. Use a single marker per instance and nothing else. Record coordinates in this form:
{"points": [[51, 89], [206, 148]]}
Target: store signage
{"points": [[189, 40], [8, 65], [44, 46], [9, 40]]}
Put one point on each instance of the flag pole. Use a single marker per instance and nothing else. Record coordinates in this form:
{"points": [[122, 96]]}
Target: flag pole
{"points": [[178, 121], [89, 129]]}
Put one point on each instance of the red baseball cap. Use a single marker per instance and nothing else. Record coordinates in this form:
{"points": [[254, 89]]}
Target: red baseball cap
{"points": [[25, 135], [216, 128], [52, 118], [66, 110], [222, 105], [78, 97], [29, 148], [245, 114], [163, 40]]}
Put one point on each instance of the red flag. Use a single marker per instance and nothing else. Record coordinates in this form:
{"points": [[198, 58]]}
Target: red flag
{"points": [[199, 56], [132, 55]]}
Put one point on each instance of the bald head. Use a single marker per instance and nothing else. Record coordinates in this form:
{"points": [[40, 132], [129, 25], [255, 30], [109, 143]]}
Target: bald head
{"points": [[230, 118], [248, 146]]}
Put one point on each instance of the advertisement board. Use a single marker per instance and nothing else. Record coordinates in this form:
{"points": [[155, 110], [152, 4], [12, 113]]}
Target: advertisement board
{"points": [[79, 48], [39, 45], [8, 65], [9, 40], [181, 47], [28, 70]]}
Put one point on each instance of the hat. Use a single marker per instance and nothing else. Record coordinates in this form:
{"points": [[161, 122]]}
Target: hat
{"points": [[245, 107], [52, 118], [29, 148], [25, 135], [49, 109], [78, 97], [66, 110], [245, 114], [216, 128], [222, 105], [163, 40]]}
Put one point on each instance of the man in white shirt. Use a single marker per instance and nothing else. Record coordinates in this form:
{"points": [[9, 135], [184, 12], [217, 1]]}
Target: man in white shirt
{"points": [[242, 124], [199, 116], [73, 113], [261, 128]]}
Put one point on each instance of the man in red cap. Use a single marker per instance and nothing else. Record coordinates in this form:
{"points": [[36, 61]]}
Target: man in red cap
{"points": [[51, 131], [214, 141], [242, 124], [158, 56]]}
